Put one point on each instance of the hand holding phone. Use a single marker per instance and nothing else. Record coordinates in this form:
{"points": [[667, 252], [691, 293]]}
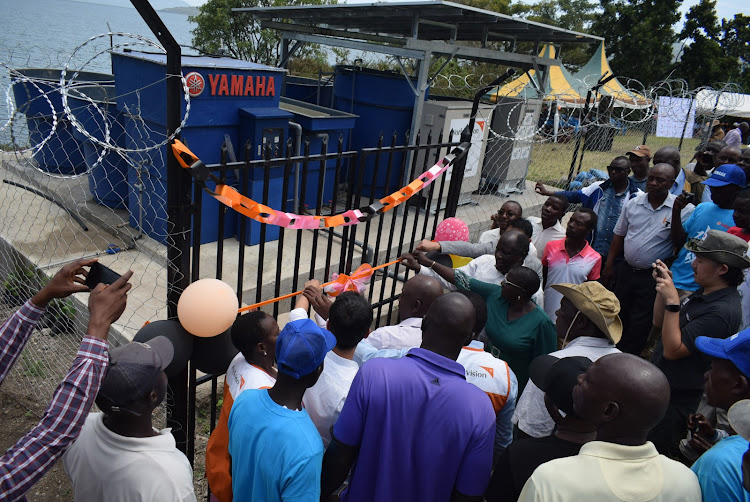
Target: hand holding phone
{"points": [[98, 273]]}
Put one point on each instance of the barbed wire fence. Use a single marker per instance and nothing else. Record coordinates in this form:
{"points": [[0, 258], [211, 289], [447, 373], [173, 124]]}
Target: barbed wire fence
{"points": [[84, 175], [80, 178]]}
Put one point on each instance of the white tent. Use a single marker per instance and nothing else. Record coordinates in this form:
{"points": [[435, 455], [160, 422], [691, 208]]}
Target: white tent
{"points": [[730, 103]]}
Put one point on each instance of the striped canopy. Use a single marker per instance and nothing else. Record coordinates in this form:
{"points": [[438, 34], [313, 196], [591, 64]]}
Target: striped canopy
{"points": [[598, 66], [561, 85]]}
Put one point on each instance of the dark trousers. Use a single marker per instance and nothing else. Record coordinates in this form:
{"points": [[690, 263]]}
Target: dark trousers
{"points": [[636, 290], [667, 434]]}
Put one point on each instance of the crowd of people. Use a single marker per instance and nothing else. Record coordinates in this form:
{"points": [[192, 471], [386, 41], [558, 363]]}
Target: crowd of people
{"points": [[607, 358]]}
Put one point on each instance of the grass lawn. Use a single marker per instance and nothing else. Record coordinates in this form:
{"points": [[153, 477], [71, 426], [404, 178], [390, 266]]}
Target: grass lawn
{"points": [[550, 162]]}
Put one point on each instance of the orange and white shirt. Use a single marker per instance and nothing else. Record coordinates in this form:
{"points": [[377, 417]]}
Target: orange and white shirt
{"points": [[489, 373], [240, 376]]}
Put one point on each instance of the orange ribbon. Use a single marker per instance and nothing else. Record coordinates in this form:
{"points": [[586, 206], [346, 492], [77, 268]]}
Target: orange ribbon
{"points": [[363, 272]]}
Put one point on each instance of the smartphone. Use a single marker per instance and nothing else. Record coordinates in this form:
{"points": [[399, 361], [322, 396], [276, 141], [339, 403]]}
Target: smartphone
{"points": [[689, 197], [98, 273]]}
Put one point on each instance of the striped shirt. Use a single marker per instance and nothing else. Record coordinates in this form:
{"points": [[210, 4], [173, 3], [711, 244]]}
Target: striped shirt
{"points": [[27, 461]]}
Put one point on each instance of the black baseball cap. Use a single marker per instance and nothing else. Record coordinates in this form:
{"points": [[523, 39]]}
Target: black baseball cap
{"points": [[557, 377]]}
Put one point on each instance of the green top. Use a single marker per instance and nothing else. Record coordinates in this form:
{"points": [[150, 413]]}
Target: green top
{"points": [[516, 342]]}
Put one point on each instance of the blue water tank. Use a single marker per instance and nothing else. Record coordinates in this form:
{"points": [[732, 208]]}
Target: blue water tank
{"points": [[60, 152], [218, 88], [384, 102], [94, 107]]}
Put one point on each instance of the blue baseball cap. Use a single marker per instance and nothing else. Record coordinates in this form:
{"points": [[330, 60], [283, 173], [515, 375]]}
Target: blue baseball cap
{"points": [[736, 348], [727, 174], [301, 347]]}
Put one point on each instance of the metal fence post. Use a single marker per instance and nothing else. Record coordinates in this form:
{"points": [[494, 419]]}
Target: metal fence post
{"points": [[457, 178], [178, 215]]}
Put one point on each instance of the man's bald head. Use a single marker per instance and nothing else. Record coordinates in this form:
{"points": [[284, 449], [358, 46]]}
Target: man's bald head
{"points": [[448, 324], [727, 155], [417, 295], [668, 155], [624, 395]]}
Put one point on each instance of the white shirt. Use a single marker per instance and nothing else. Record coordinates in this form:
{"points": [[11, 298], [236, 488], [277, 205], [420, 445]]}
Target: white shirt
{"points": [[608, 471], [647, 230], [542, 236], [324, 400], [531, 414], [103, 465], [241, 375], [483, 269], [408, 333]]}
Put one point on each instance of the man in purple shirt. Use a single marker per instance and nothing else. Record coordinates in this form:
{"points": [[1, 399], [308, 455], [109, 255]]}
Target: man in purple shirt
{"points": [[415, 427], [33, 455]]}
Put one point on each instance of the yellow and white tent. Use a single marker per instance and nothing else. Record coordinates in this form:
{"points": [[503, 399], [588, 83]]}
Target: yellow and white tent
{"points": [[597, 66], [561, 85]]}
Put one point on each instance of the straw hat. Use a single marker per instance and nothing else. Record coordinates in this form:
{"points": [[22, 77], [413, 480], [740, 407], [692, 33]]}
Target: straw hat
{"points": [[597, 303]]}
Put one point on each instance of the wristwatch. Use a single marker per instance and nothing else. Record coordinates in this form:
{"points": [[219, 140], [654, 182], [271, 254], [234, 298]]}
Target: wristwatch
{"points": [[672, 308]]}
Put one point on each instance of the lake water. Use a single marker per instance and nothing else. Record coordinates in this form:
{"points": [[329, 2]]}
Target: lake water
{"points": [[44, 34]]}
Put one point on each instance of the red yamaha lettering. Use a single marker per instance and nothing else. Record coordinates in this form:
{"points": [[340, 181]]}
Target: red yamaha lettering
{"points": [[241, 85], [237, 81]]}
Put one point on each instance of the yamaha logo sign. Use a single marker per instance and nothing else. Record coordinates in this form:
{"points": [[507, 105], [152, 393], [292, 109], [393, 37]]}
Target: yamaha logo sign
{"points": [[195, 83]]}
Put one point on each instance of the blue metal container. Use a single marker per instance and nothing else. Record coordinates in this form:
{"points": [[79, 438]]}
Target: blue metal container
{"points": [[384, 102], [107, 168], [318, 123], [218, 88], [309, 90], [263, 126], [61, 153]]}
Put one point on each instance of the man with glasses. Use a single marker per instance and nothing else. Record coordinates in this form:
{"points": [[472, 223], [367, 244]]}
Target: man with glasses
{"points": [[606, 198]]}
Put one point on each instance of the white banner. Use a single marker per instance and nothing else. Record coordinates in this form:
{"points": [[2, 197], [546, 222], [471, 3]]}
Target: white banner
{"points": [[672, 114]]}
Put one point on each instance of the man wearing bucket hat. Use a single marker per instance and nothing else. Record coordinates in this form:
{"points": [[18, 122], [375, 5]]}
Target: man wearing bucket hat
{"points": [[589, 326], [276, 449], [556, 378], [714, 310], [119, 454], [726, 181], [727, 382]]}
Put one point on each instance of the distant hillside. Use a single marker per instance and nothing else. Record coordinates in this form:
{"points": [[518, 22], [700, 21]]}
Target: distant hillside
{"points": [[188, 11]]}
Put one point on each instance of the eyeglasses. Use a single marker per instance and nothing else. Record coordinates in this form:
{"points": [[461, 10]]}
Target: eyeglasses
{"points": [[616, 170], [506, 282]]}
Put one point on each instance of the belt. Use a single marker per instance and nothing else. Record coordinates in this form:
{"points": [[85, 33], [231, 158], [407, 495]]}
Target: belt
{"points": [[637, 269]]}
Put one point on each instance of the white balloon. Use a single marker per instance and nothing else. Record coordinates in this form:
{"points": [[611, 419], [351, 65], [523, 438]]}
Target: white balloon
{"points": [[207, 307]]}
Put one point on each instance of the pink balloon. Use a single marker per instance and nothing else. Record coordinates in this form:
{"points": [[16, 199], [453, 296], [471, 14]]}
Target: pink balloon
{"points": [[207, 307]]}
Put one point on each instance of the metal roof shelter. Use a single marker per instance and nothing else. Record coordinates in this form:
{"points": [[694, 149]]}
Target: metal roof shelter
{"points": [[418, 30]]}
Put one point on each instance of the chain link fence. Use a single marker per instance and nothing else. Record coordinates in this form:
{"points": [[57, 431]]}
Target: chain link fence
{"points": [[84, 175]]}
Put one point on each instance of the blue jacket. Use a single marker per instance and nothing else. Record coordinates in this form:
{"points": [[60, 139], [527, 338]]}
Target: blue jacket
{"points": [[590, 197]]}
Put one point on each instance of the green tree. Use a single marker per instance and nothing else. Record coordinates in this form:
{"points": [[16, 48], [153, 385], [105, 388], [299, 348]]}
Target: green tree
{"points": [[736, 43], [639, 36], [704, 60], [576, 15], [219, 27]]}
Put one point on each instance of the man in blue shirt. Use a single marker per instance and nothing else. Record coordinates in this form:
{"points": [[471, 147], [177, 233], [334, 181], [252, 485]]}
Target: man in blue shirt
{"points": [[606, 198], [275, 448], [725, 182], [727, 382]]}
